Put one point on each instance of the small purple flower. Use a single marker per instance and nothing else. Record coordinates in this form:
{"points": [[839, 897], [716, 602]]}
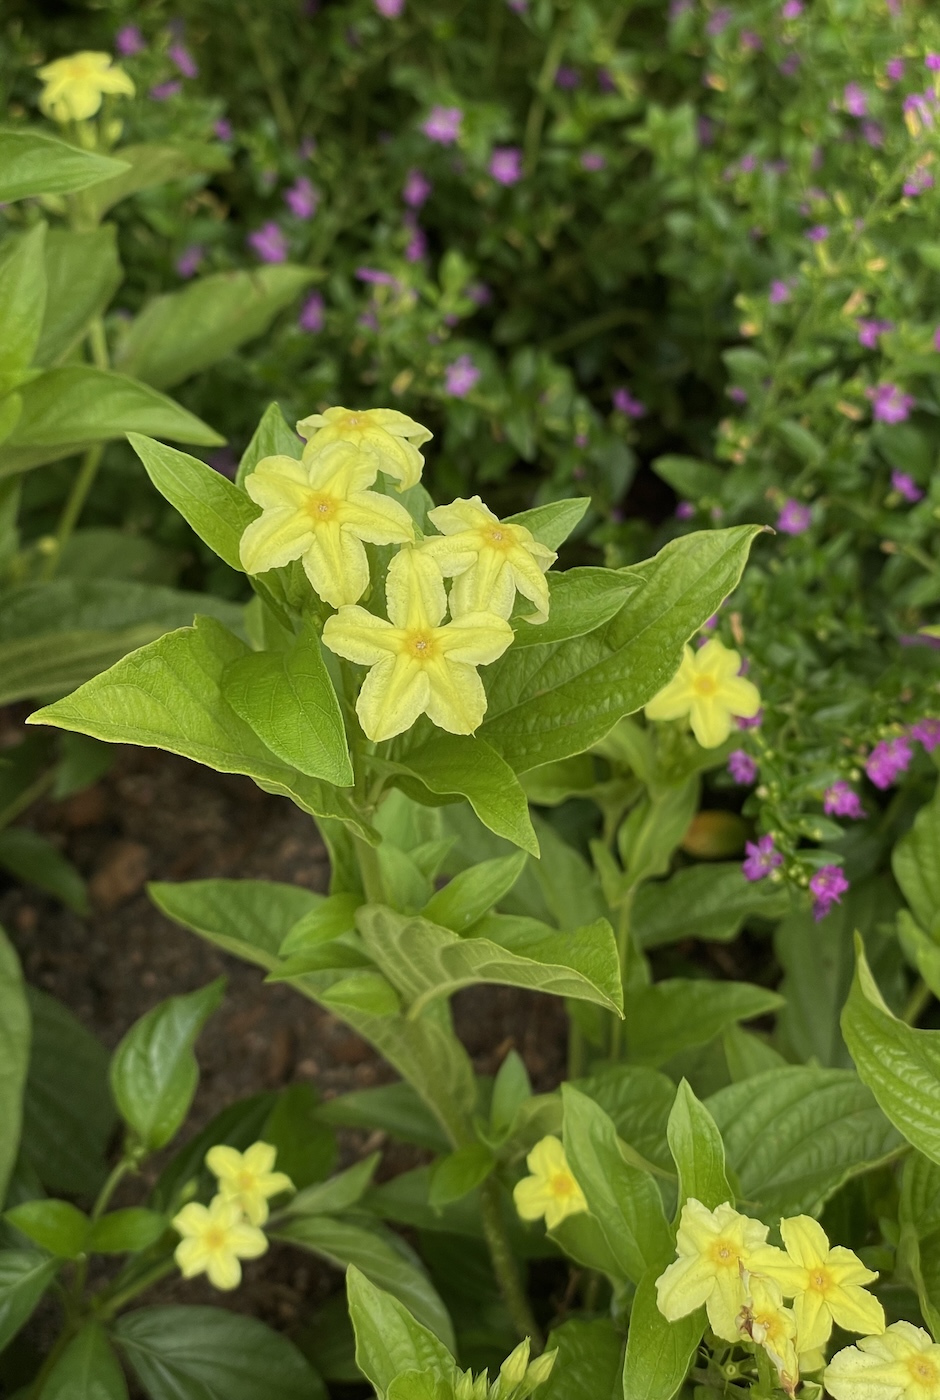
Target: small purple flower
{"points": [[312, 314], [189, 261], [918, 180], [719, 21], [828, 886], [873, 133], [183, 59], [747, 163], [685, 510], [779, 291], [376, 277], [792, 9], [754, 723], [624, 402], [895, 69], [506, 165], [604, 80], [443, 125], [854, 100], [416, 189], [921, 105], [751, 41], [790, 65], [794, 518], [927, 732], [390, 9], [906, 486], [736, 394], [818, 233], [592, 160], [269, 243], [888, 760], [933, 62], [840, 800], [129, 41], [742, 767], [518, 7], [580, 440], [417, 246], [567, 77], [762, 858], [302, 199], [162, 92], [461, 376], [889, 403], [223, 129], [870, 331], [678, 8], [479, 293]]}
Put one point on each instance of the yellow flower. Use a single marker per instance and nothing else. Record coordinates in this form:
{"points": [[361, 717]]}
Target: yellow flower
{"points": [[246, 1178], [389, 438], [825, 1283], [551, 1190], [714, 1249], [215, 1237], [709, 690], [320, 511], [418, 666], [491, 560], [772, 1326], [902, 1364], [74, 85]]}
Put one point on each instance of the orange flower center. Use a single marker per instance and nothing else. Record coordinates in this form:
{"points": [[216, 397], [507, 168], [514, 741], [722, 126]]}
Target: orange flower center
{"points": [[724, 1254], [420, 645], [246, 1181], [820, 1280], [320, 508], [215, 1239], [923, 1371], [562, 1184], [499, 538], [705, 685]]}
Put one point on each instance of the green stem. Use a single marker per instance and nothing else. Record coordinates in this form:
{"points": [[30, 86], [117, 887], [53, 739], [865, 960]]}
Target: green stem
{"points": [[42, 1375], [73, 505], [118, 1173], [624, 945], [536, 116], [107, 1306], [27, 797], [916, 1002], [504, 1266], [368, 860]]}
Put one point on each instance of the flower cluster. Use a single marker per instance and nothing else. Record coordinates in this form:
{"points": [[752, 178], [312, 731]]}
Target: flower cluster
{"points": [[725, 1263], [322, 511], [214, 1238]]}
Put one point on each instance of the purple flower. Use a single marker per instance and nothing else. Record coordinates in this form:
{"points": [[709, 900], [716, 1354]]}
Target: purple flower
{"points": [[918, 180], [927, 731], [390, 9], [779, 291], [592, 160], [223, 129], [828, 886], [840, 800], [792, 9], [302, 199], [747, 163], [685, 510], [933, 62], [269, 243], [790, 65], [888, 760], [376, 277], [750, 40], [162, 92], [889, 403], [567, 77], [906, 486], [129, 41], [855, 101], [624, 402], [895, 69], [183, 59], [678, 8], [736, 394], [443, 125], [920, 105], [518, 7], [754, 723], [416, 189], [506, 165], [742, 767], [762, 858], [417, 245], [188, 262], [719, 21], [604, 81], [869, 332], [311, 314], [461, 376], [794, 518], [818, 233], [873, 134]]}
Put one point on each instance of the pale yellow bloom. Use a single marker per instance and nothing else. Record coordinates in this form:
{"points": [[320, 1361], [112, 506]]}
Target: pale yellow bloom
{"points": [[320, 511], [215, 1238], [766, 1321], [247, 1179], [551, 1190], [390, 439], [903, 1363], [715, 1248], [418, 666], [709, 690], [490, 560], [825, 1283], [74, 85]]}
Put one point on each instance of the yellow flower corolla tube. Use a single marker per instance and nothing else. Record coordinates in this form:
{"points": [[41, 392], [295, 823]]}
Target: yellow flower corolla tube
{"points": [[418, 666], [247, 1178], [74, 86], [709, 690], [772, 1326], [825, 1283], [903, 1363], [389, 438], [715, 1249], [215, 1238], [490, 560], [551, 1190], [319, 510]]}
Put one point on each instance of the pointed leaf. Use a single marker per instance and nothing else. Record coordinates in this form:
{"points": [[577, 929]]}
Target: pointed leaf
{"points": [[15, 1029], [388, 1339], [32, 164], [698, 1152], [468, 767], [87, 1370], [25, 1274]]}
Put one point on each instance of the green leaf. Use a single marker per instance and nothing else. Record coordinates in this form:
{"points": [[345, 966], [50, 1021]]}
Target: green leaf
{"points": [[588, 1363], [581, 601], [460, 766], [87, 1370], [305, 1145], [30, 857], [154, 1071], [24, 1277], [15, 1031], [273, 437], [382, 1256], [919, 1244], [639, 1101], [215, 508], [916, 865], [192, 1353], [458, 1173], [900, 1065], [326, 921], [31, 164], [551, 524], [388, 1339], [250, 918], [511, 1088], [288, 699], [697, 1151], [659, 1353], [678, 1013], [549, 702], [148, 165], [82, 274], [795, 1134], [56, 1226], [710, 902], [689, 477], [469, 895], [339, 1193], [126, 1231], [396, 1109], [22, 303], [178, 334]]}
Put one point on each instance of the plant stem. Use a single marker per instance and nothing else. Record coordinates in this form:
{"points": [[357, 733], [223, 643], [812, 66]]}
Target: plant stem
{"points": [[73, 505], [624, 937], [916, 1002], [42, 1375], [504, 1266], [118, 1172], [372, 883], [108, 1306], [27, 797]]}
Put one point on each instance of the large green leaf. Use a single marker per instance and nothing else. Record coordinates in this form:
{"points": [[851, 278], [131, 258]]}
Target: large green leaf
{"points": [[147, 165], [32, 164], [87, 1370], [82, 272], [250, 918], [388, 1339], [25, 1274], [22, 303], [15, 1029], [273, 437], [678, 1013], [707, 901], [639, 1101], [472, 892], [581, 600], [181, 333], [588, 1363], [553, 522], [916, 864], [697, 1151], [659, 1353], [56, 1226]]}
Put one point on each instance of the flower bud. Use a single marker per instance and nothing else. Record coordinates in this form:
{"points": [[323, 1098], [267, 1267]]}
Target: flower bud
{"points": [[512, 1372], [541, 1368]]}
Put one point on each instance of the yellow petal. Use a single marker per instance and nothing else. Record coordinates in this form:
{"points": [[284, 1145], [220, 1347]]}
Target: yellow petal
{"points": [[259, 1157], [457, 700], [698, 1228], [414, 590], [376, 519], [224, 1271], [530, 580], [741, 696], [717, 660], [813, 1320], [246, 1241], [854, 1374], [393, 695], [559, 1208], [724, 1304], [684, 1286], [223, 1161], [339, 468], [469, 514], [191, 1257], [855, 1310], [488, 585], [710, 721], [274, 539], [476, 639], [547, 1156], [275, 1183], [278, 481], [360, 636], [531, 1198], [846, 1267], [805, 1240], [673, 701], [191, 1220], [336, 564], [115, 80], [770, 1262]]}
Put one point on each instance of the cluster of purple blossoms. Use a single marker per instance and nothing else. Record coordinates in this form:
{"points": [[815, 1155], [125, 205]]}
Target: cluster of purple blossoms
{"points": [[223, 129], [918, 180], [736, 394], [794, 518], [268, 243], [417, 246], [183, 59], [873, 133], [827, 886], [416, 190], [506, 165], [889, 404], [906, 486], [190, 260], [312, 314], [390, 9], [685, 510], [162, 92], [854, 100], [719, 21], [751, 41], [302, 198], [920, 108], [742, 767], [841, 800], [895, 69], [376, 277], [624, 402], [790, 65], [567, 77], [761, 857], [818, 233], [779, 291], [888, 760], [592, 160], [926, 732], [129, 41], [870, 332], [461, 376], [443, 125], [754, 723], [792, 9]]}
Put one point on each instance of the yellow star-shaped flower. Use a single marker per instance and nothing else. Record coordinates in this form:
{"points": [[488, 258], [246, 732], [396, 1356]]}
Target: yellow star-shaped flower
{"points": [[391, 439], [247, 1179], [74, 85], [766, 1321], [418, 666], [319, 510], [903, 1363], [709, 690], [825, 1283], [551, 1191], [489, 560], [715, 1248], [215, 1238]]}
